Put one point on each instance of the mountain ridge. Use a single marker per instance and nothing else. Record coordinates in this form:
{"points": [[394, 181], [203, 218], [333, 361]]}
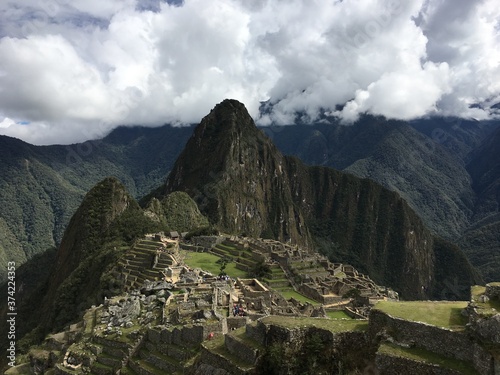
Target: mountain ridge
{"points": [[252, 188], [37, 202]]}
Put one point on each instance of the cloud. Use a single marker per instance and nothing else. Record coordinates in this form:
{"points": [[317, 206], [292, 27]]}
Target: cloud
{"points": [[74, 70]]}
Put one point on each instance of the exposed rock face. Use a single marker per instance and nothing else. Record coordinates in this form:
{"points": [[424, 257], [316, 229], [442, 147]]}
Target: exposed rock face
{"points": [[238, 177], [245, 185], [488, 329]]}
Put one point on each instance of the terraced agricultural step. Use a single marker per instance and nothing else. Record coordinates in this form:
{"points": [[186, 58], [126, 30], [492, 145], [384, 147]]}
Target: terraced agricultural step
{"points": [[101, 369], [277, 283], [234, 252], [112, 351], [151, 273], [247, 255], [141, 263], [143, 254], [220, 252], [276, 276], [127, 370], [160, 361], [164, 262], [141, 367], [177, 352], [136, 272], [109, 361], [240, 345], [215, 351], [242, 267], [152, 242], [247, 262]]}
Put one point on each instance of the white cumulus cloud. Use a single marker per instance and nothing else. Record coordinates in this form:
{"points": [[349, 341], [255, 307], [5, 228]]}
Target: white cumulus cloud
{"points": [[74, 70]]}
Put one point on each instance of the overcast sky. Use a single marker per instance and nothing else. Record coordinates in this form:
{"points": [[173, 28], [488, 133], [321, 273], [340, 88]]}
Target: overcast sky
{"points": [[72, 70]]}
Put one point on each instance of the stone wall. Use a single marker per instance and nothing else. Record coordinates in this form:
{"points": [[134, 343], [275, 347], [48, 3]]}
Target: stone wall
{"points": [[311, 292], [441, 341], [207, 241], [493, 290], [487, 328], [219, 362], [461, 345], [391, 365], [187, 335], [257, 332], [245, 352], [236, 322]]}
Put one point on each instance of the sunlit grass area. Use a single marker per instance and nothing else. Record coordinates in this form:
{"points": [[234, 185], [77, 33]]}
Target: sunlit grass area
{"points": [[441, 313], [208, 262], [290, 293], [328, 324]]}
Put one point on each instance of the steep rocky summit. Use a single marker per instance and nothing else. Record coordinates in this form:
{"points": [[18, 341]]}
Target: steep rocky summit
{"points": [[238, 177], [243, 184]]}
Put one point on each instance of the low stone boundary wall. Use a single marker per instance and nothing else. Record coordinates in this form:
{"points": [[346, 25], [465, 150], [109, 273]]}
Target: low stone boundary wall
{"points": [[257, 332], [460, 345], [438, 340], [392, 365], [240, 350], [218, 362]]}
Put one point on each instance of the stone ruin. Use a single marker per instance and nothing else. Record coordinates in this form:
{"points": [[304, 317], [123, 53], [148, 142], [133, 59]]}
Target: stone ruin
{"points": [[165, 322]]}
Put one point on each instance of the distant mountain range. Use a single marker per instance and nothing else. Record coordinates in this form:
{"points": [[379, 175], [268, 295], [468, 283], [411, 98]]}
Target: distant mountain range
{"points": [[446, 169]]}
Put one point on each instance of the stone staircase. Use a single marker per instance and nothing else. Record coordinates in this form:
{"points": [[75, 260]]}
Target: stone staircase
{"points": [[144, 262]]}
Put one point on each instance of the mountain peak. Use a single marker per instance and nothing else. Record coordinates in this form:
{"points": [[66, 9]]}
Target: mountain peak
{"points": [[227, 119], [217, 144]]}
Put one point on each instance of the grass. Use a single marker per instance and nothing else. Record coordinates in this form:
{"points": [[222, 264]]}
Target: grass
{"points": [[422, 355], [339, 314], [335, 326], [290, 293], [441, 314], [208, 262]]}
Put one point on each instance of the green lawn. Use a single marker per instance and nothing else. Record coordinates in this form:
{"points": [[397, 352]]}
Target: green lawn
{"points": [[328, 324], [208, 262], [290, 293], [441, 314], [422, 355]]}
